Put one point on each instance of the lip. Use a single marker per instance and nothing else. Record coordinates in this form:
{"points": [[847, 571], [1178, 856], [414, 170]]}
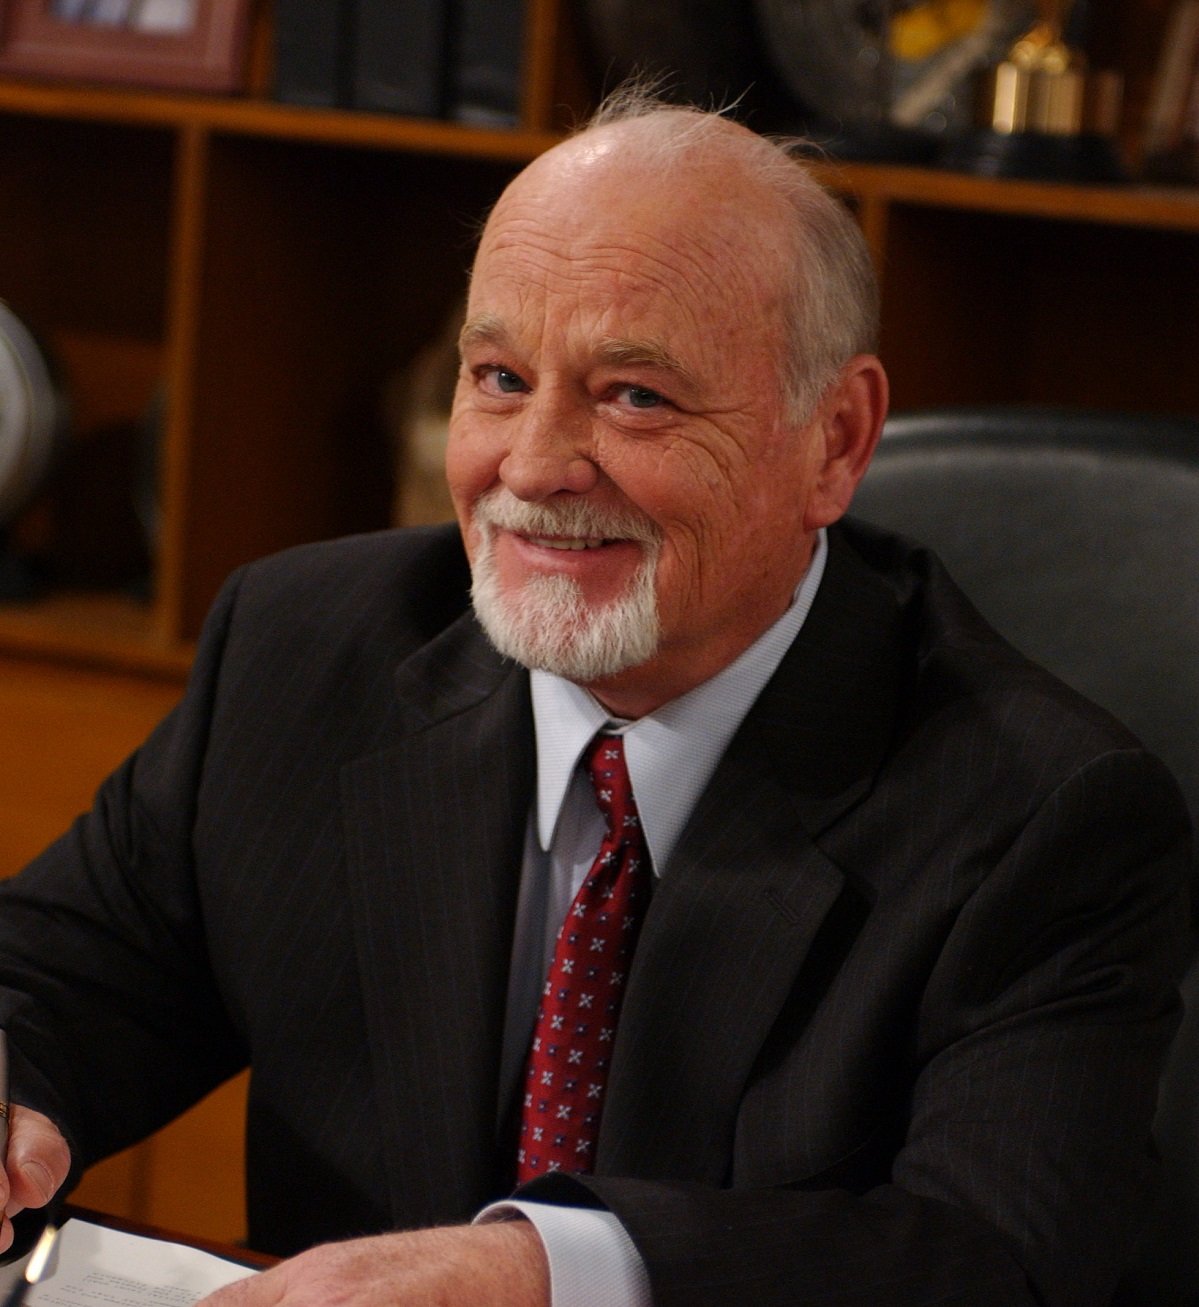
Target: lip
{"points": [[577, 556]]}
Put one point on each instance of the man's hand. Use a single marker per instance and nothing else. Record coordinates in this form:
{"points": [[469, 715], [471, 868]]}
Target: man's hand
{"points": [[38, 1162], [502, 1265]]}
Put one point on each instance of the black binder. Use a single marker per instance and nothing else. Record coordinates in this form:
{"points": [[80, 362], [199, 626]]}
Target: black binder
{"points": [[313, 51], [400, 57], [489, 41]]}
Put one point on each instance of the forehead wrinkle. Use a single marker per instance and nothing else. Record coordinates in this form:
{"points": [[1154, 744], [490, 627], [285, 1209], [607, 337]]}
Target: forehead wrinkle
{"points": [[664, 249], [684, 263]]}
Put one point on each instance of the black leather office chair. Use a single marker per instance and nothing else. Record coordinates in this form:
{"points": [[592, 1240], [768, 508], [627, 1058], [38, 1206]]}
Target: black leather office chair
{"points": [[1077, 535]]}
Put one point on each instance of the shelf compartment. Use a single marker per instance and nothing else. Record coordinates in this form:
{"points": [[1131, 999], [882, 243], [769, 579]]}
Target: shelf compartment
{"points": [[305, 314], [1008, 308]]}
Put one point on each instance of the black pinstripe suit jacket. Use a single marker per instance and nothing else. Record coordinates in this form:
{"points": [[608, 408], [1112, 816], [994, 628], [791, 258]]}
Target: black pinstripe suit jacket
{"points": [[894, 1024]]}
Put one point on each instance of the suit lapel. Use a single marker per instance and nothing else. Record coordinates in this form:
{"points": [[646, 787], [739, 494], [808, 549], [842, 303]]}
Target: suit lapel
{"points": [[434, 828], [748, 888]]}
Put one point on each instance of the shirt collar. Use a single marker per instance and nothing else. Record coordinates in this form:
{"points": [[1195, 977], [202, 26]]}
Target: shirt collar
{"points": [[671, 753]]}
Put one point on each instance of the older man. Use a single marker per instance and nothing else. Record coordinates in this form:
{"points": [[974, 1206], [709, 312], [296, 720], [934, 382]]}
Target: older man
{"points": [[739, 895]]}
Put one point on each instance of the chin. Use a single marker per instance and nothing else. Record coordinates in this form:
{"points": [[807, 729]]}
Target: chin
{"points": [[548, 625]]}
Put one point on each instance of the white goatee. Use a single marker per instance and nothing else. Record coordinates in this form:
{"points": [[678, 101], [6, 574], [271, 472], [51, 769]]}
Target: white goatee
{"points": [[548, 624]]}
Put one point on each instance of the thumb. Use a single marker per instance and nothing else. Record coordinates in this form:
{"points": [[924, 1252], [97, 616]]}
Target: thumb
{"points": [[38, 1162]]}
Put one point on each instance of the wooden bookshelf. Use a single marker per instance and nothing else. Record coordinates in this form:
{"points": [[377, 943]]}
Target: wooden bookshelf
{"points": [[263, 269]]}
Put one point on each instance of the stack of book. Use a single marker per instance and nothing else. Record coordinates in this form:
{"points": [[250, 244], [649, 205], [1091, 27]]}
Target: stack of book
{"points": [[1171, 144], [453, 59]]}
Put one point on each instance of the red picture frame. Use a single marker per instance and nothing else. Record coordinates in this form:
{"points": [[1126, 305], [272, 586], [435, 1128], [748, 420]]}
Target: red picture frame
{"points": [[132, 43]]}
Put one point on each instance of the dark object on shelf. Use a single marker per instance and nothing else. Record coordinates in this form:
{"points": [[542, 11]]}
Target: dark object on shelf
{"points": [[313, 52], [33, 433], [400, 56], [871, 143], [1037, 156], [488, 51], [98, 540], [21, 577], [457, 59], [1171, 145], [704, 52], [867, 87], [86, 526], [33, 415], [1178, 167]]}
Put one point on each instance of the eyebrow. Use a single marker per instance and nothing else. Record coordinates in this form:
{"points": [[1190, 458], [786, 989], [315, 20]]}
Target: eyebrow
{"points": [[616, 352], [651, 354], [486, 329]]}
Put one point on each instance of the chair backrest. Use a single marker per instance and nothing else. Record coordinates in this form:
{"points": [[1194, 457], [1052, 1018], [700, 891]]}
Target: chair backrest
{"points": [[1077, 536]]}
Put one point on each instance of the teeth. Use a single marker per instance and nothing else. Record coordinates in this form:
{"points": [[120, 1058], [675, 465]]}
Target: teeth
{"points": [[546, 543]]}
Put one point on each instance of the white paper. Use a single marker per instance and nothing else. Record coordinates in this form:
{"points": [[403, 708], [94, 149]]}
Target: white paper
{"points": [[93, 1266]]}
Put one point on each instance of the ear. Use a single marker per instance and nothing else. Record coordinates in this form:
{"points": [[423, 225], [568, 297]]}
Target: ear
{"points": [[845, 432]]}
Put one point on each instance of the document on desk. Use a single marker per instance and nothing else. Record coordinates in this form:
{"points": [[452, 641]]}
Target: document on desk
{"points": [[93, 1266]]}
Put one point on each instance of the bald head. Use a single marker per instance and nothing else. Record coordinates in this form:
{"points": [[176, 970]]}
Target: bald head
{"points": [[743, 192]]}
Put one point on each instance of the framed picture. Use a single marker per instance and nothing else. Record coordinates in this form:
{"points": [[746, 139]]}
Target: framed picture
{"points": [[197, 45]]}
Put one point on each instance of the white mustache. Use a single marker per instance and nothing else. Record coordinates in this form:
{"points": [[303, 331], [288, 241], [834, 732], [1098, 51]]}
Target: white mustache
{"points": [[575, 518]]}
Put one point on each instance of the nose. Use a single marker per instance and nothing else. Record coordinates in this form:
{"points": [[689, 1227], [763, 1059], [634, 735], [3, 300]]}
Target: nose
{"points": [[549, 450]]}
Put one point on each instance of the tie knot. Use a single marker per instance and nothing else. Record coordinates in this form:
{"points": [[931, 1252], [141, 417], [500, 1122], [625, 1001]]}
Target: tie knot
{"points": [[610, 780]]}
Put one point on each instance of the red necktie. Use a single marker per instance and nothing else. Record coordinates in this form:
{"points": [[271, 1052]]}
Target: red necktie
{"points": [[567, 1070]]}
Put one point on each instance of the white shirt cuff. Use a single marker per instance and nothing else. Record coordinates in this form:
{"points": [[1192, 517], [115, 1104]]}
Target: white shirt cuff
{"points": [[593, 1262]]}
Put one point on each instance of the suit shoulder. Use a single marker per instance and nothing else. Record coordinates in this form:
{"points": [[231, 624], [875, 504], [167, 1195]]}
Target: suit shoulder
{"points": [[979, 728], [415, 580], [431, 552]]}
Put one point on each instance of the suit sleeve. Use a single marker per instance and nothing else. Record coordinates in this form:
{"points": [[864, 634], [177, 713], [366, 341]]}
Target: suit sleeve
{"points": [[114, 1019], [1026, 1165]]}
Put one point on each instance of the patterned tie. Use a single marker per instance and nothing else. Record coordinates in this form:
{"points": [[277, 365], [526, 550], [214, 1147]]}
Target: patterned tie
{"points": [[576, 1023]]}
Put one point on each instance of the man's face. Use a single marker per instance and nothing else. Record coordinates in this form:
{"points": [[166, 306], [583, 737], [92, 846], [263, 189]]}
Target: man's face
{"points": [[620, 456]]}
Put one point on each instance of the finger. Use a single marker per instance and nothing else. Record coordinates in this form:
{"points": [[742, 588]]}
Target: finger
{"points": [[38, 1161]]}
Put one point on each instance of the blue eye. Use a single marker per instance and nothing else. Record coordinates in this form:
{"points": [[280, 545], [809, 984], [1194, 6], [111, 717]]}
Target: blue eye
{"points": [[508, 382], [642, 397]]}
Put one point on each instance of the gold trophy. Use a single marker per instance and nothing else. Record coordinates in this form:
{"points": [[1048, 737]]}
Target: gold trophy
{"points": [[1044, 113]]}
